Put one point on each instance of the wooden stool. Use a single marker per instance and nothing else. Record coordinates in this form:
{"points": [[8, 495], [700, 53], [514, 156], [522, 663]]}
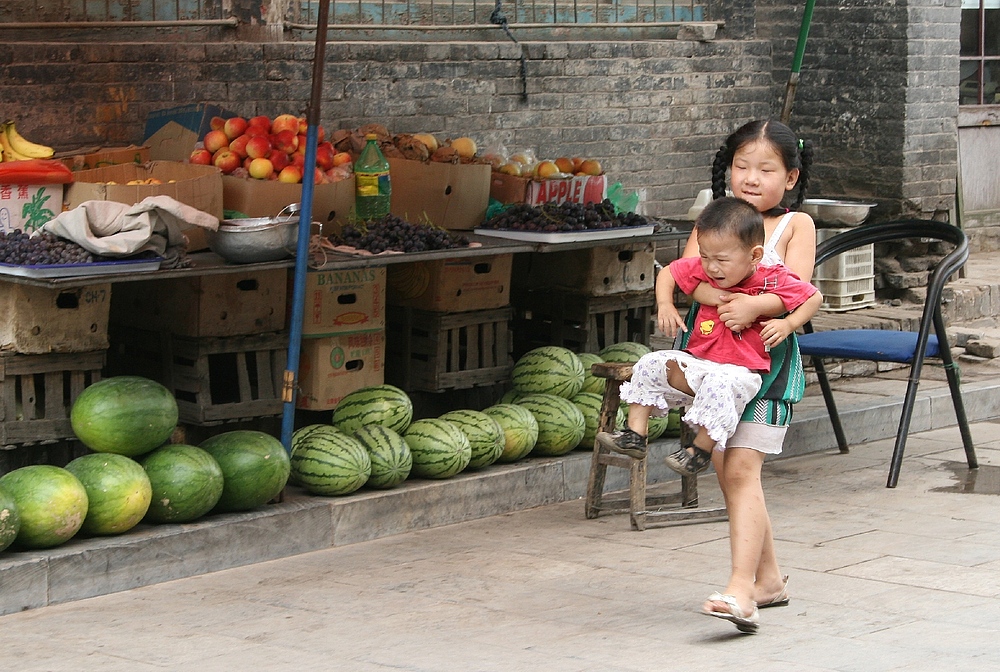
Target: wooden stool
{"points": [[640, 507]]}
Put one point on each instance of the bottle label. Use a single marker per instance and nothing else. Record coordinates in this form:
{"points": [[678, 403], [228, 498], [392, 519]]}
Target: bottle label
{"points": [[372, 184]]}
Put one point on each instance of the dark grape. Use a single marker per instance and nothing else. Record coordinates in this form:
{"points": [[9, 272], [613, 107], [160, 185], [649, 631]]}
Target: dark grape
{"points": [[17, 247], [397, 234], [563, 217]]}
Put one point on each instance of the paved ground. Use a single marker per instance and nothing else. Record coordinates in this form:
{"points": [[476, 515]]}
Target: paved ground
{"points": [[902, 579]]}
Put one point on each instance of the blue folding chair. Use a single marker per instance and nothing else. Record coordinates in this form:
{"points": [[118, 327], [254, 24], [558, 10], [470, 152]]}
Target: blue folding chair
{"points": [[895, 346]]}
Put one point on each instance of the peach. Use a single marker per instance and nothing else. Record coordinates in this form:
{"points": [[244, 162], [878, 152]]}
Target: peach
{"points": [[279, 159], [226, 161], [217, 123], [546, 169], [286, 141], [510, 168], [258, 147], [290, 174], [285, 122], [239, 145], [565, 165], [235, 127], [591, 167], [201, 157], [261, 121], [342, 158], [261, 169], [324, 155], [216, 140]]}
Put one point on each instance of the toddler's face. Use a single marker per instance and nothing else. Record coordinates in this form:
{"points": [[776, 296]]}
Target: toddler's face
{"points": [[726, 259]]}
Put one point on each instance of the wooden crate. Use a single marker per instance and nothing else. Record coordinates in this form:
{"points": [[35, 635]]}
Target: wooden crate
{"points": [[39, 391], [213, 379], [430, 351], [42, 320], [580, 323], [594, 271]]}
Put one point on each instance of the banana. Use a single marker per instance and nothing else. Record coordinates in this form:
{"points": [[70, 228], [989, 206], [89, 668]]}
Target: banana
{"points": [[23, 146], [9, 153]]}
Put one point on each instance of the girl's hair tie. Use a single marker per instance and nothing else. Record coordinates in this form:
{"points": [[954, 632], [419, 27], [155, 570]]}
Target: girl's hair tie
{"points": [[801, 144]]}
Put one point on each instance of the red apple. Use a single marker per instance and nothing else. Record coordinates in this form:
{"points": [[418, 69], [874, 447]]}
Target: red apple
{"points": [[258, 147], [226, 161], [303, 126], [320, 134], [216, 140], [342, 158], [319, 177], [299, 160], [261, 169], [324, 155], [255, 131], [239, 146], [290, 174], [286, 141], [246, 163], [301, 149], [279, 159], [285, 122], [235, 127], [261, 121], [201, 157], [217, 123]]}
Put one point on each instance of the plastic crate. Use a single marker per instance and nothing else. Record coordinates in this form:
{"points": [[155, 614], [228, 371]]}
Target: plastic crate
{"points": [[840, 295], [856, 264]]}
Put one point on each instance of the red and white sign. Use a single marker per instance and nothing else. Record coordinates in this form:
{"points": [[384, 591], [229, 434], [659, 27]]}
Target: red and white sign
{"points": [[579, 189]]}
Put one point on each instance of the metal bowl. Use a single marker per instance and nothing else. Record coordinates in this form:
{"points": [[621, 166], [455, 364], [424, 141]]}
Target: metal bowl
{"points": [[837, 211], [255, 239]]}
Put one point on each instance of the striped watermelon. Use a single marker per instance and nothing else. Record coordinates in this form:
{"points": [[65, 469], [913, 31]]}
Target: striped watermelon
{"points": [[510, 396], [550, 369], [591, 383], [484, 433], [560, 423], [186, 482], [668, 425], [328, 462], [389, 454], [520, 430], [118, 492], [384, 405], [590, 405], [439, 448], [625, 352]]}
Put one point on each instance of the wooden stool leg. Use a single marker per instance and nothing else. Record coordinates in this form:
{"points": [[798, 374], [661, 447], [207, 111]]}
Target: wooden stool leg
{"points": [[637, 494]]}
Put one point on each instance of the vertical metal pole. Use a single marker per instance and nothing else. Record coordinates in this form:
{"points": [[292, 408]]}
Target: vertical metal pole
{"points": [[290, 383]]}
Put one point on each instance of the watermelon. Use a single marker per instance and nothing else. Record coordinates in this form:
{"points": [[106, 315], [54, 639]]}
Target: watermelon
{"points": [[255, 468], [384, 405], [389, 454], [484, 433], [591, 383], [127, 415], [10, 519], [187, 483], [510, 396], [560, 423], [550, 369], [668, 425], [439, 448], [627, 352], [590, 405], [519, 427], [329, 462], [118, 492], [51, 501]]}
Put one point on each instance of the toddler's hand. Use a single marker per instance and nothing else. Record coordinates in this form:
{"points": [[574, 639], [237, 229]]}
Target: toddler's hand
{"points": [[775, 331], [669, 320], [737, 311]]}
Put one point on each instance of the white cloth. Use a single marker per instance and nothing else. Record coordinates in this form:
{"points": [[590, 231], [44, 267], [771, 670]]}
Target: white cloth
{"points": [[115, 229], [722, 391], [771, 257]]}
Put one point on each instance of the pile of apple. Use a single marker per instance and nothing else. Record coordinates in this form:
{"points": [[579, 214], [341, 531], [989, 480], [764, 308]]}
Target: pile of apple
{"points": [[264, 149], [523, 165]]}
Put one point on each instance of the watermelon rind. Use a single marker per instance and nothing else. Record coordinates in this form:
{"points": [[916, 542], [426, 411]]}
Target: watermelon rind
{"points": [[485, 435], [439, 448], [126, 415], [389, 454], [385, 405], [626, 352], [51, 501], [328, 462], [118, 492], [590, 404], [187, 483], [255, 468], [561, 425], [520, 430], [10, 519], [549, 369], [591, 383]]}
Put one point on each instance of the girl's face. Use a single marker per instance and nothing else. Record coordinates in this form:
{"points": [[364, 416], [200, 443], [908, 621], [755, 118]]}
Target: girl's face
{"points": [[726, 259], [759, 176]]}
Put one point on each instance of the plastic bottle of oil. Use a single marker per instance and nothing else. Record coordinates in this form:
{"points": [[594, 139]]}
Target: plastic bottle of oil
{"points": [[371, 171]]}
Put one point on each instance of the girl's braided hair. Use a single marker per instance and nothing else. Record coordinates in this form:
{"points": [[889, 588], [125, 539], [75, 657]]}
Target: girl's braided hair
{"points": [[794, 154]]}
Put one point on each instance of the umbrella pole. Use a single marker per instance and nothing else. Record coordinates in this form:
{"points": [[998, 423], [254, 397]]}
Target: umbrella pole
{"points": [[290, 381], [800, 50]]}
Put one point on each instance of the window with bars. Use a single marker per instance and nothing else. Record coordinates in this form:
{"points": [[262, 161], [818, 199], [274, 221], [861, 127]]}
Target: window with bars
{"points": [[979, 53]]}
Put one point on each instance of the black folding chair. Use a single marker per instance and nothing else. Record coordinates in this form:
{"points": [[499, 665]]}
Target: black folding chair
{"points": [[895, 346]]}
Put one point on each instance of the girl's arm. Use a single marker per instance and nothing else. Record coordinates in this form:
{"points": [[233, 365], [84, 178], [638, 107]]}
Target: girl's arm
{"points": [[704, 293]]}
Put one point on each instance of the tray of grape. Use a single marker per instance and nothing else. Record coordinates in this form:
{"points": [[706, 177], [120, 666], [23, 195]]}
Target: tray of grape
{"points": [[564, 222], [85, 268], [45, 255], [394, 235]]}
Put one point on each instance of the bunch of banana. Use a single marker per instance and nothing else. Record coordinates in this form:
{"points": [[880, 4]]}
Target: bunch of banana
{"points": [[15, 147]]}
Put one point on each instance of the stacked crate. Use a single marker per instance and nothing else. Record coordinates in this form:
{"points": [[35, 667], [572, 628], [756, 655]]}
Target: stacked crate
{"points": [[53, 344], [217, 342], [449, 323], [584, 300], [848, 280]]}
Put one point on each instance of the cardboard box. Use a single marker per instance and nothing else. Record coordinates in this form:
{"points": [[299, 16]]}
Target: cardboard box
{"points": [[28, 206], [229, 304], [595, 271], [448, 195], [578, 189], [171, 134], [343, 301], [332, 203], [333, 366], [451, 285], [40, 320], [110, 156]]}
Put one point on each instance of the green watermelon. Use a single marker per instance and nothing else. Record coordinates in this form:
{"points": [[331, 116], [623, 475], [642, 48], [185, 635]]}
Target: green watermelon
{"points": [[590, 405], [118, 492], [127, 415], [187, 483], [591, 383], [51, 501], [485, 436], [329, 462], [10, 519], [668, 425], [384, 405], [439, 448], [510, 396], [626, 352], [560, 423], [255, 468], [389, 454], [519, 427], [550, 369]]}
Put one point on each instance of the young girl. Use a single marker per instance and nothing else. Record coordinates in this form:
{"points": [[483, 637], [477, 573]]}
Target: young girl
{"points": [[719, 371]]}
